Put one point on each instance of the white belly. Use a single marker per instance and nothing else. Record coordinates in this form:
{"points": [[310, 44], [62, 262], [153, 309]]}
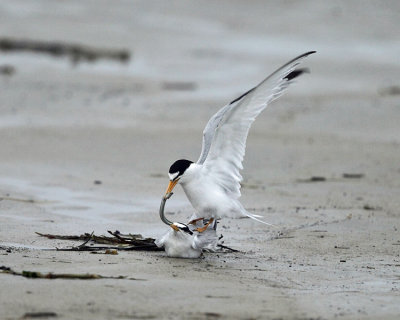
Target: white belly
{"points": [[210, 201], [178, 245], [180, 249]]}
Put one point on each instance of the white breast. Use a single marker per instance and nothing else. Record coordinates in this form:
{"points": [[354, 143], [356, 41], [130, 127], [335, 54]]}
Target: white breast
{"points": [[178, 244], [208, 198]]}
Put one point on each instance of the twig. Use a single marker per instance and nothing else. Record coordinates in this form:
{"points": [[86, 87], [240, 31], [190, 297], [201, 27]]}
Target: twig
{"points": [[60, 237], [227, 248], [135, 242], [84, 244], [117, 235]]}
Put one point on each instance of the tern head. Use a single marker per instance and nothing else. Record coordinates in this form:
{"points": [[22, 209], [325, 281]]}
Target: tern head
{"points": [[176, 171], [177, 226]]}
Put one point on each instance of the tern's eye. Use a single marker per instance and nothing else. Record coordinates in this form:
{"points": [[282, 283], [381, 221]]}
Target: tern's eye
{"points": [[178, 168]]}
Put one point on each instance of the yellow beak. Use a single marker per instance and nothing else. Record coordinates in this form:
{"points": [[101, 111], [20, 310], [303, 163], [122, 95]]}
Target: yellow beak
{"points": [[171, 186], [174, 227]]}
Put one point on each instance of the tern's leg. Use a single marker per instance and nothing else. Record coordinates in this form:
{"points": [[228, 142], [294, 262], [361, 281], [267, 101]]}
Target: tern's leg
{"points": [[194, 221], [205, 226]]}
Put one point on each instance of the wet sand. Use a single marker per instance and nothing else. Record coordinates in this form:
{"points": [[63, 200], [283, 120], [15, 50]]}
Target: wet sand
{"points": [[321, 162]]}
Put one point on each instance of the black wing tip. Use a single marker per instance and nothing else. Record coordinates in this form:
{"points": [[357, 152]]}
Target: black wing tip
{"points": [[290, 76], [295, 73], [304, 55], [308, 53]]}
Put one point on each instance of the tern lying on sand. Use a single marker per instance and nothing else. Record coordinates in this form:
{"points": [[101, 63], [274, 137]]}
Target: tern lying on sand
{"points": [[183, 241]]}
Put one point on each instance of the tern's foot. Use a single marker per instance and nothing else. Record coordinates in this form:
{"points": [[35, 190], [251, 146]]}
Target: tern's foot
{"points": [[202, 229], [194, 221]]}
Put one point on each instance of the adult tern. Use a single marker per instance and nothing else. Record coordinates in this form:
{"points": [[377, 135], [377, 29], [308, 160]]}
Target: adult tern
{"points": [[212, 183]]}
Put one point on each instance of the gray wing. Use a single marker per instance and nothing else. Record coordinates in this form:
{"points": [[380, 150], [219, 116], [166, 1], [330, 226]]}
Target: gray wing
{"points": [[209, 132], [214, 122], [226, 133]]}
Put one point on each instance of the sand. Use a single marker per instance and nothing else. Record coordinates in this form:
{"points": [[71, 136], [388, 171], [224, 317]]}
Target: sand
{"points": [[65, 125]]}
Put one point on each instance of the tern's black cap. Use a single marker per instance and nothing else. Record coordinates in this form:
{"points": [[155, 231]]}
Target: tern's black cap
{"points": [[180, 166]]}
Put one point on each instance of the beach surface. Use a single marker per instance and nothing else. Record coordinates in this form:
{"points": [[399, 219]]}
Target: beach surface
{"points": [[85, 145]]}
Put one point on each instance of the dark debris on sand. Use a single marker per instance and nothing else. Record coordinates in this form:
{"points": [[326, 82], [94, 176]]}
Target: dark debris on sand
{"points": [[76, 52]]}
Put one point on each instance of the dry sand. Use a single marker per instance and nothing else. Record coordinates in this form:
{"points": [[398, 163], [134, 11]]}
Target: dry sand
{"points": [[63, 126]]}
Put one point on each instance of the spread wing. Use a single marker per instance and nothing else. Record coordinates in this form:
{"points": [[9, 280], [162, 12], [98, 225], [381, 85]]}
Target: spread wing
{"points": [[224, 137]]}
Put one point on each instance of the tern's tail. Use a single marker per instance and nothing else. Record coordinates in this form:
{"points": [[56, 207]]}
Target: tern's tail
{"points": [[256, 217]]}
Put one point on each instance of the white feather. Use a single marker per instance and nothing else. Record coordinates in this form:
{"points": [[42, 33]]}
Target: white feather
{"points": [[178, 244], [172, 176]]}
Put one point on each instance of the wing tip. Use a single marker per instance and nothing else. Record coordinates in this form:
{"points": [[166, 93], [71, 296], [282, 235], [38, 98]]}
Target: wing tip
{"points": [[290, 76], [308, 53], [295, 73], [304, 55]]}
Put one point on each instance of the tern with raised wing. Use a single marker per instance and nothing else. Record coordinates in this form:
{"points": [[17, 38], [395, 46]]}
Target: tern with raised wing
{"points": [[212, 183]]}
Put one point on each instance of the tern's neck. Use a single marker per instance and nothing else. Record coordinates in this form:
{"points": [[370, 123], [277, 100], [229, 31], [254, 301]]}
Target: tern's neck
{"points": [[191, 173]]}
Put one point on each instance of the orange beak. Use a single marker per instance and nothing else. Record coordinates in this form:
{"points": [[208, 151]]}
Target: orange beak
{"points": [[174, 227], [171, 186]]}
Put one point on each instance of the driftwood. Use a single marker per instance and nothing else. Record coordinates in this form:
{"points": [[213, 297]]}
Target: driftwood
{"points": [[118, 241], [50, 275]]}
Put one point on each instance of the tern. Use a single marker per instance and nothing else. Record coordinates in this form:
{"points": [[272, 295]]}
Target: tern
{"points": [[183, 242], [212, 183]]}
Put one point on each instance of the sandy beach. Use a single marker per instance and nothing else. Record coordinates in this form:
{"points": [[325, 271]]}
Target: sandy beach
{"points": [[85, 145]]}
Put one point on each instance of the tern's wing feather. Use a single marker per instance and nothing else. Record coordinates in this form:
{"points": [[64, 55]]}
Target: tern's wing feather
{"points": [[209, 132], [224, 138], [208, 239]]}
